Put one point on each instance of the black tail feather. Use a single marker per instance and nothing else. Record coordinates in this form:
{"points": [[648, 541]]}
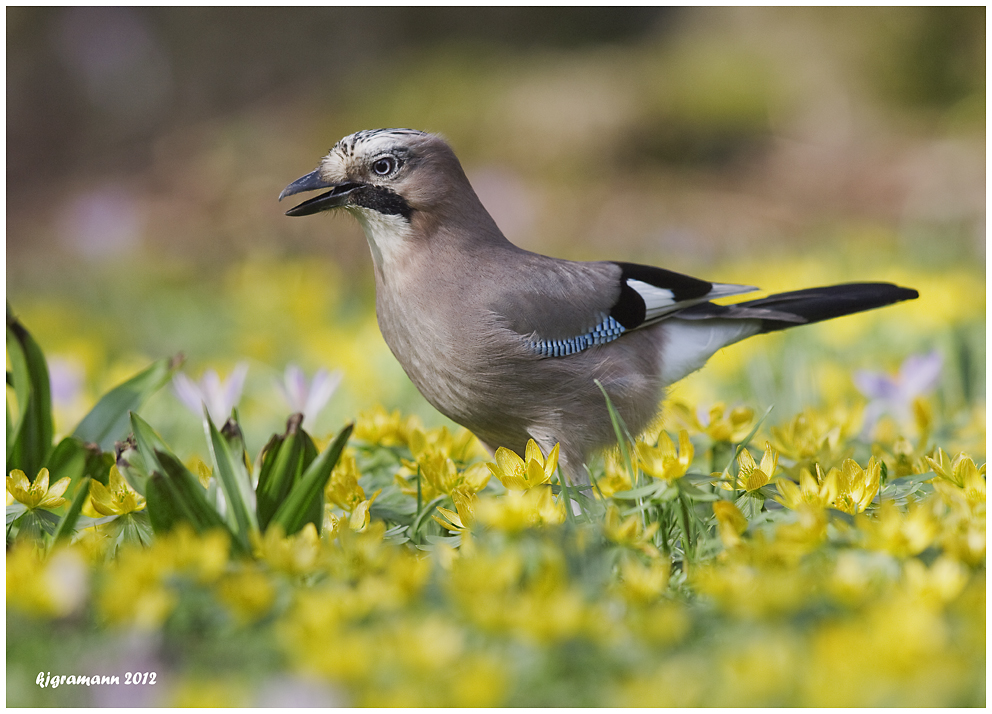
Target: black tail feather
{"points": [[816, 304], [801, 307]]}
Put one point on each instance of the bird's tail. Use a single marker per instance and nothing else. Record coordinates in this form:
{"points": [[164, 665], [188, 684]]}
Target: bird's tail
{"points": [[696, 333], [816, 304]]}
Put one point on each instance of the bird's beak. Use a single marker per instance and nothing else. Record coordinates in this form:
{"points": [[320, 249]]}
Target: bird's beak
{"points": [[337, 196]]}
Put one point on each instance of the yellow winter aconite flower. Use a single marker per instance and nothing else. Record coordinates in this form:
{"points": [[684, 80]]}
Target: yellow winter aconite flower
{"points": [[521, 474], [460, 521], [810, 491], [644, 583], [903, 534], [719, 423], [616, 476], [462, 446], [296, 554], [664, 461], [816, 436], [116, 498], [440, 475], [851, 488], [55, 586], [962, 471], [519, 510], [629, 531], [248, 593], [386, 428], [37, 494], [342, 490], [752, 476], [731, 523]]}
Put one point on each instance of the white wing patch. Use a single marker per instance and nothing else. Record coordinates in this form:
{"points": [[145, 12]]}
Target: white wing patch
{"points": [[659, 302]]}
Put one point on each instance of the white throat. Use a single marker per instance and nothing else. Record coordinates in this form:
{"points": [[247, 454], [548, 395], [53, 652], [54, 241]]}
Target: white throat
{"points": [[388, 236]]}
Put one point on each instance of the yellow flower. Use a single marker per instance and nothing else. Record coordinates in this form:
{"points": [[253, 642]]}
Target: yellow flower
{"points": [[386, 429], [439, 475], [37, 494], [518, 510], [465, 506], [615, 477], [641, 583], [814, 436], [55, 587], [901, 534], [750, 475], [730, 522], [720, 425], [521, 474], [851, 488], [664, 461], [629, 532], [461, 447], [962, 471], [343, 491], [809, 492], [116, 498], [296, 554], [248, 593]]}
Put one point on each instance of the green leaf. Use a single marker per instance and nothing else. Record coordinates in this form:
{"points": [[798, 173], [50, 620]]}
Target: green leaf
{"points": [[108, 421], [165, 508], [130, 528], [292, 513], [148, 443], [227, 452], [316, 513], [15, 511], [281, 468], [77, 460], [67, 524], [425, 513], [649, 491], [190, 494], [32, 431]]}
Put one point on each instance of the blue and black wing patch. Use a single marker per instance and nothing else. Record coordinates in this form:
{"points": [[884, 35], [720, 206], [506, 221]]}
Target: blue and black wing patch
{"points": [[647, 295], [606, 331]]}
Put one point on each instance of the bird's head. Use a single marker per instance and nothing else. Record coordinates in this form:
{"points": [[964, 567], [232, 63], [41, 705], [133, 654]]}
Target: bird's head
{"points": [[399, 183]]}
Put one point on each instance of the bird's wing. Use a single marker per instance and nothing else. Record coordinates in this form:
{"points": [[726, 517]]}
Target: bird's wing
{"points": [[573, 306]]}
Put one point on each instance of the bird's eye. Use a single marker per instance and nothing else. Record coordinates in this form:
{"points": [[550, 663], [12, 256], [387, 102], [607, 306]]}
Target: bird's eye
{"points": [[384, 166]]}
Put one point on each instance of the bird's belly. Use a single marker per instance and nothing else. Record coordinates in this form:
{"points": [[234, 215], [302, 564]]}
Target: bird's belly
{"points": [[500, 390]]}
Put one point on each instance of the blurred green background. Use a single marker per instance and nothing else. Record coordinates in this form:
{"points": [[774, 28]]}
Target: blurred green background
{"points": [[146, 149]]}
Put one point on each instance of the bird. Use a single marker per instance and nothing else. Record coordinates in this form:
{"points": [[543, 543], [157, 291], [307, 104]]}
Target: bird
{"points": [[515, 345]]}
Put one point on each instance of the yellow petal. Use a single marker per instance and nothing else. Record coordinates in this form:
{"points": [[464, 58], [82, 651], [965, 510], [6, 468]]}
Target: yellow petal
{"points": [[552, 463], [533, 452], [686, 450], [746, 462], [18, 482], [535, 473], [59, 487], [508, 461], [769, 461], [666, 446], [41, 482]]}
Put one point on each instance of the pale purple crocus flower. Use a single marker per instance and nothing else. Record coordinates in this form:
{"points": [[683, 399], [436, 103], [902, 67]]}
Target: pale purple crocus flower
{"points": [[65, 377], [310, 399], [894, 394], [220, 397]]}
